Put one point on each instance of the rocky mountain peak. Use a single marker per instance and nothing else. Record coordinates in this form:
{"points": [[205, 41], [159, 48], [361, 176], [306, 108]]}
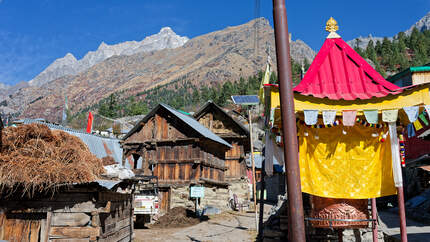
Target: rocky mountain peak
{"points": [[103, 46], [166, 30], [69, 65], [421, 25], [69, 56]]}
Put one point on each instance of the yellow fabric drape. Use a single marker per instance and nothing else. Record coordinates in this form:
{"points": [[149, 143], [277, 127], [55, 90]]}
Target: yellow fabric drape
{"points": [[354, 165]]}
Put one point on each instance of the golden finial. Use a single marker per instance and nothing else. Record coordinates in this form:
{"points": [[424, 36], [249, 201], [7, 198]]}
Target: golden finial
{"points": [[331, 25]]}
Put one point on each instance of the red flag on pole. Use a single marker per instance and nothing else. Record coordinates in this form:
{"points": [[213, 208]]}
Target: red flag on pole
{"points": [[90, 123]]}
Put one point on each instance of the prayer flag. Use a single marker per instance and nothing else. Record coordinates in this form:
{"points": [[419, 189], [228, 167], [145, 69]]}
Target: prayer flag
{"points": [[417, 125], [311, 116], [328, 116], [411, 130], [423, 118], [265, 80], [389, 115], [412, 113], [371, 116], [348, 117], [90, 123]]}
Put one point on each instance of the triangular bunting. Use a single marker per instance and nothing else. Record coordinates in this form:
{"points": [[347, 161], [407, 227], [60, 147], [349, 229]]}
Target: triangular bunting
{"points": [[389, 115], [311, 116], [371, 116], [411, 130], [348, 117], [422, 116], [329, 116], [417, 125], [412, 113]]}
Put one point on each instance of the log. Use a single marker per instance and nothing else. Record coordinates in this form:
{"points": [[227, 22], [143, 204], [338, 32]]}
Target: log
{"points": [[70, 219], [74, 232], [123, 233], [95, 219], [69, 240], [214, 182]]}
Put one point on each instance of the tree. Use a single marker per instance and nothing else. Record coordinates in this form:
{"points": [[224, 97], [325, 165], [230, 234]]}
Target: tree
{"points": [[371, 52]]}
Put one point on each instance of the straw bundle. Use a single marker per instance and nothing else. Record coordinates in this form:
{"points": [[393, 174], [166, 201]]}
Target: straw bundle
{"points": [[37, 159]]}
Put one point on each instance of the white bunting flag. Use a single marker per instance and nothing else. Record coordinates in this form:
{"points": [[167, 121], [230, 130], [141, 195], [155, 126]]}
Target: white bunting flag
{"points": [[390, 115], [329, 116], [371, 116], [311, 116], [412, 113]]}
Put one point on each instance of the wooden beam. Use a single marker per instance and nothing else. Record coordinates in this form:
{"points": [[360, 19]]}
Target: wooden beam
{"points": [[74, 232], [214, 182], [70, 219]]}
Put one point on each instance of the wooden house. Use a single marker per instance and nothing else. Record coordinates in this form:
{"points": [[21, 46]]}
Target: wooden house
{"points": [[413, 75], [81, 212], [177, 149], [225, 126]]}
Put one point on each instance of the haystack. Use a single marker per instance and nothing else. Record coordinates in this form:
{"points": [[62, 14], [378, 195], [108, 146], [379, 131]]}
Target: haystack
{"points": [[35, 159]]}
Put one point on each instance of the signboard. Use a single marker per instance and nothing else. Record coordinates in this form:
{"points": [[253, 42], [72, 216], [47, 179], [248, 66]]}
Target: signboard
{"points": [[197, 191]]}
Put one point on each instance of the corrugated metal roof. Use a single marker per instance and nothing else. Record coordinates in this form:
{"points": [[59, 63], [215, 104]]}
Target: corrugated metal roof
{"points": [[338, 72], [192, 123], [99, 146]]}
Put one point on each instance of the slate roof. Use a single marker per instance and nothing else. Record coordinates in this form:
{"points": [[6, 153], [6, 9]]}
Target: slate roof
{"points": [[192, 123], [338, 72]]}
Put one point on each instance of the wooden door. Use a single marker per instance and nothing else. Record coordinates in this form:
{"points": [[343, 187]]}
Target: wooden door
{"points": [[164, 198]]}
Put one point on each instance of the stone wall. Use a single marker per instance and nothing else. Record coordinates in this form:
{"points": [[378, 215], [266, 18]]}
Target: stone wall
{"points": [[214, 196]]}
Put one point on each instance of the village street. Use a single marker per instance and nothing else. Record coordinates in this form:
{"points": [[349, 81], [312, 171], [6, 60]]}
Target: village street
{"points": [[229, 226]]}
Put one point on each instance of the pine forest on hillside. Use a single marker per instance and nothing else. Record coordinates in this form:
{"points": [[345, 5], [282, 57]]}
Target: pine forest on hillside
{"points": [[403, 51]]}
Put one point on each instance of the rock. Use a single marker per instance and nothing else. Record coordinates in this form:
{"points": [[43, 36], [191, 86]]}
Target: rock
{"points": [[421, 25]]}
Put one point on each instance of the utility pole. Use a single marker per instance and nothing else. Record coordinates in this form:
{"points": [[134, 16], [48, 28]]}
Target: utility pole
{"points": [[296, 231], [254, 186]]}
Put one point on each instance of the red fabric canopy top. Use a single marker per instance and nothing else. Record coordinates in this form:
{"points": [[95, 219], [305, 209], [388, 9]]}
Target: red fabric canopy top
{"points": [[338, 72]]}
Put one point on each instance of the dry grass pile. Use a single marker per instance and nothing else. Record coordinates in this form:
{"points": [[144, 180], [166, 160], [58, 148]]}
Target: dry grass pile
{"points": [[37, 159]]}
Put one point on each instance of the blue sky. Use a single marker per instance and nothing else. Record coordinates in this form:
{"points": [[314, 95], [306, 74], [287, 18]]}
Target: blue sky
{"points": [[33, 33]]}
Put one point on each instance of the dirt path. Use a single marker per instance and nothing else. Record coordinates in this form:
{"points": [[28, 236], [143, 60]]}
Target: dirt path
{"points": [[229, 226]]}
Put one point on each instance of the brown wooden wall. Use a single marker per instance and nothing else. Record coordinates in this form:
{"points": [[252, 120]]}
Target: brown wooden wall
{"points": [[75, 215], [235, 162], [185, 163], [223, 126], [158, 128]]}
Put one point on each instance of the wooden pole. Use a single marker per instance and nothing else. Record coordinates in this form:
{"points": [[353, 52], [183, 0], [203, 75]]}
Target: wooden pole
{"points": [[253, 170], [398, 179], [262, 188], [402, 214], [291, 151], [375, 223]]}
